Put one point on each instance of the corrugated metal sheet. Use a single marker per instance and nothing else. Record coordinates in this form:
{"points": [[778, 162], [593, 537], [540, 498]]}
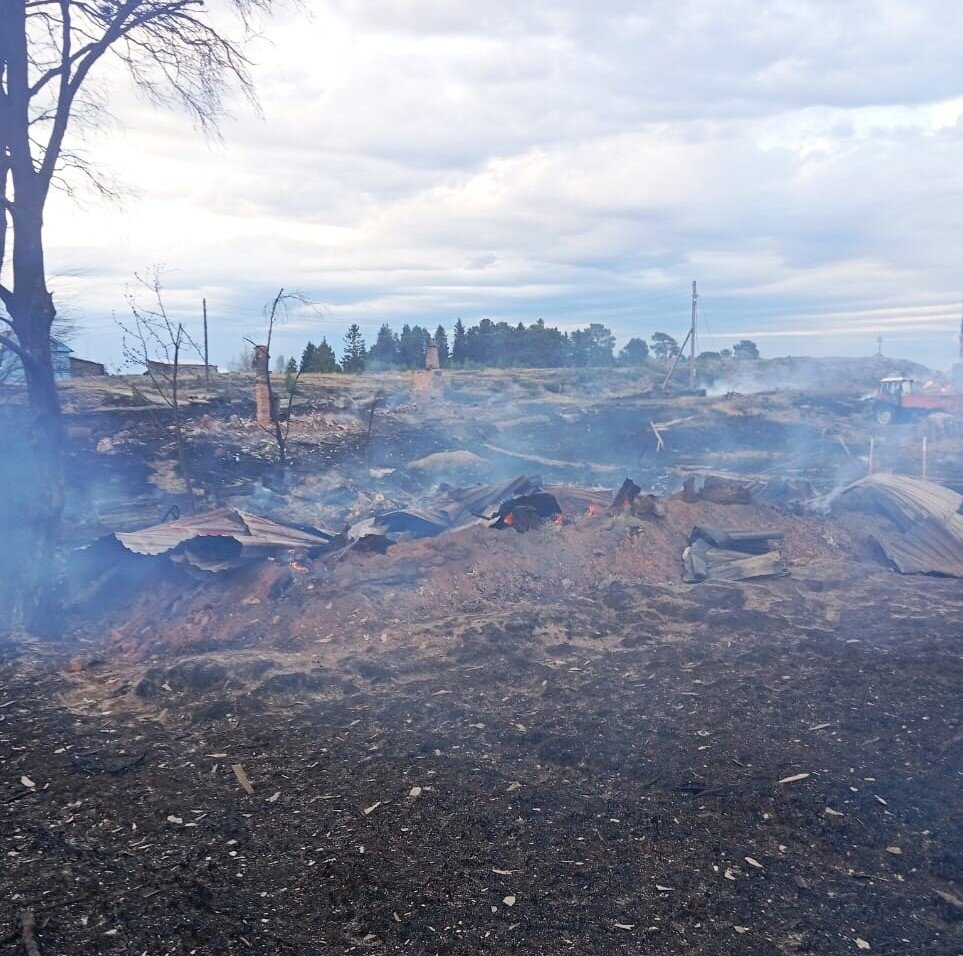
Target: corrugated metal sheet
{"points": [[731, 554], [923, 529], [250, 531], [461, 509]]}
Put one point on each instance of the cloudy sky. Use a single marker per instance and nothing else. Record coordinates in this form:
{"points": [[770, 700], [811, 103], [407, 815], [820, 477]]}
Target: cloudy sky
{"points": [[421, 160]]}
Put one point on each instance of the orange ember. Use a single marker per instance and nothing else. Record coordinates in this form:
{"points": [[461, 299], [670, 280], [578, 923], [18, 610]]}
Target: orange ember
{"points": [[300, 568], [509, 519]]}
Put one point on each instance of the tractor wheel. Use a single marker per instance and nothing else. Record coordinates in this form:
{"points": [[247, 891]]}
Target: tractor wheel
{"points": [[885, 415]]}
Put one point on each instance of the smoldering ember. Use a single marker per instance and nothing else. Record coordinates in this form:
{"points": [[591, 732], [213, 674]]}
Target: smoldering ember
{"points": [[504, 661]]}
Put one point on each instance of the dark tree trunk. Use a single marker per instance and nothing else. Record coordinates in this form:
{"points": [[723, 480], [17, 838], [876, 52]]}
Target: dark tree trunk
{"points": [[42, 501], [39, 498]]}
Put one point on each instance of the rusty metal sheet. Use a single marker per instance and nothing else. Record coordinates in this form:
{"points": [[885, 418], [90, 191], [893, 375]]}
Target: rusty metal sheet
{"points": [[250, 531]]}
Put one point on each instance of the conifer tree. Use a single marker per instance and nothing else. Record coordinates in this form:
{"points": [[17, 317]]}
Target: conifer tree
{"points": [[355, 353], [441, 343], [458, 344]]}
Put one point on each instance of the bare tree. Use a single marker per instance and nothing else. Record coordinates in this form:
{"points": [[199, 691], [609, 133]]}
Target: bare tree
{"points": [[49, 50], [153, 340], [243, 361], [275, 311]]}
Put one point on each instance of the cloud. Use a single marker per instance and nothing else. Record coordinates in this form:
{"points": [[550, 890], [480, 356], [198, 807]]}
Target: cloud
{"points": [[420, 160]]}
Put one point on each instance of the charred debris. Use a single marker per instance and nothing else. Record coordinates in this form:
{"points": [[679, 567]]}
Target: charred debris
{"points": [[916, 526], [377, 465], [457, 684]]}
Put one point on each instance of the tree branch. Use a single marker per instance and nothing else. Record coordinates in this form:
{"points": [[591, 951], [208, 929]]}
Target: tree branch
{"points": [[18, 350], [70, 85]]}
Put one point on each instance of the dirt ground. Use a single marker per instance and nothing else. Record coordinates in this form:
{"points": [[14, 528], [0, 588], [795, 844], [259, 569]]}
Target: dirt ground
{"points": [[493, 742]]}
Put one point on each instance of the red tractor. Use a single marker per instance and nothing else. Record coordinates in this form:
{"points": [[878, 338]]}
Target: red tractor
{"points": [[899, 399]]}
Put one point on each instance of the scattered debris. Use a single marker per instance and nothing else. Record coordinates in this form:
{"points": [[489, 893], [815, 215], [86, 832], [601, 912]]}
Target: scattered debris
{"points": [[731, 555], [955, 901], [795, 778], [525, 512], [242, 779]]}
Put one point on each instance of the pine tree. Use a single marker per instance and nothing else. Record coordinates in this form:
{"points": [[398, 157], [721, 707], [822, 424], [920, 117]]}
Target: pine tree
{"points": [[354, 350], [291, 375], [324, 358], [664, 346], [483, 347], [385, 352], [441, 343], [307, 357], [412, 344], [635, 352], [593, 346], [458, 344]]}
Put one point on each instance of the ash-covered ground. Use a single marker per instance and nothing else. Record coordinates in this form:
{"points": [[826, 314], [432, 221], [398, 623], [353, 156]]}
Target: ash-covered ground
{"points": [[490, 741]]}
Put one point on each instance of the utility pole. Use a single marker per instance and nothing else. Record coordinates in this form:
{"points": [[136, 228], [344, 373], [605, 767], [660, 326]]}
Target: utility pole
{"points": [[207, 367], [879, 345], [692, 338]]}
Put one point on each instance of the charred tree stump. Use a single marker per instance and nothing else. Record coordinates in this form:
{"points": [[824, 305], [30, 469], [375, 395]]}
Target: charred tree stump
{"points": [[626, 495]]}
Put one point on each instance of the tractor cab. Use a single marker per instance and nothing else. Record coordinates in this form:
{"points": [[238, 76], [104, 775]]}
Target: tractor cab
{"points": [[898, 398], [887, 400], [894, 388]]}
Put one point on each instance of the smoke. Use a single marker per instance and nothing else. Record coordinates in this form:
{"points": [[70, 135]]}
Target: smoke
{"points": [[836, 375]]}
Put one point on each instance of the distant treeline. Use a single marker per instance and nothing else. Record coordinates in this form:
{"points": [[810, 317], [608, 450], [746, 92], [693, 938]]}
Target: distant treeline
{"points": [[494, 345]]}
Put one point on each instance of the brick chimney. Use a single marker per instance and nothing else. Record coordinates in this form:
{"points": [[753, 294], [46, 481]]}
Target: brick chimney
{"points": [[262, 388], [432, 361]]}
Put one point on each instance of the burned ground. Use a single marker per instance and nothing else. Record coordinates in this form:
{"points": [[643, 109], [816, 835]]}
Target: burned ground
{"points": [[607, 762], [491, 741]]}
